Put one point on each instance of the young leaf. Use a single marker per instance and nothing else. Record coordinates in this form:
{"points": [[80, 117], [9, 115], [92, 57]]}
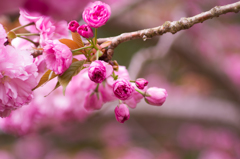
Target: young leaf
{"points": [[77, 38], [71, 44], [56, 86], [73, 70], [46, 77]]}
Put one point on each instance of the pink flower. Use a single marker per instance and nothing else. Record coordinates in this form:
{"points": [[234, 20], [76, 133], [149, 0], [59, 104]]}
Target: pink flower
{"points": [[57, 55], [122, 89], [48, 28], [73, 25], [85, 31], [96, 14], [26, 18], [93, 101], [99, 70], [57, 9], [156, 96], [3, 35], [122, 113], [17, 78], [141, 83]]}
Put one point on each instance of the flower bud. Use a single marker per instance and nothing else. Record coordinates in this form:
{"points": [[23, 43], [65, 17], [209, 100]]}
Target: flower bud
{"points": [[122, 89], [99, 70], [73, 25], [96, 14], [85, 31], [155, 96], [141, 83], [122, 113]]}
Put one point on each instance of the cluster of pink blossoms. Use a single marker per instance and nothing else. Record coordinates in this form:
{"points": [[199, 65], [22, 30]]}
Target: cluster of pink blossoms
{"points": [[129, 94], [90, 81], [17, 76]]}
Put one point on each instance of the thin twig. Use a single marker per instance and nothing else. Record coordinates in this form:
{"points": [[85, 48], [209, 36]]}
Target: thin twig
{"points": [[172, 27]]}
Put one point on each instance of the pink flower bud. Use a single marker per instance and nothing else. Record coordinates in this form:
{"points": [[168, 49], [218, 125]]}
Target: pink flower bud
{"points": [[156, 96], [57, 55], [122, 113], [99, 70], [85, 31], [141, 83], [122, 89], [73, 25], [93, 101], [96, 14]]}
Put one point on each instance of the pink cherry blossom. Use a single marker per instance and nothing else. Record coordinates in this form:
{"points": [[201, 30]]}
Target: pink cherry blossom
{"points": [[17, 78], [122, 113], [85, 31], [99, 70], [26, 18], [156, 96], [96, 14], [122, 89], [93, 101], [141, 83], [57, 55], [73, 25], [3, 35]]}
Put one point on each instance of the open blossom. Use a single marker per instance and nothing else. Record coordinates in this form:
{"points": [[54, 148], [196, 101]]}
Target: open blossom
{"points": [[85, 31], [57, 55], [156, 96], [96, 14], [122, 89], [3, 35], [122, 113], [99, 70], [48, 28], [73, 25], [93, 101], [141, 83], [17, 79]]}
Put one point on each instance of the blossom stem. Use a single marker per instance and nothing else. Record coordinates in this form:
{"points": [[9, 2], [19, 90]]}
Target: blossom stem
{"points": [[29, 40], [141, 92], [32, 23], [120, 101], [82, 48], [132, 81], [28, 34], [95, 43], [96, 89]]}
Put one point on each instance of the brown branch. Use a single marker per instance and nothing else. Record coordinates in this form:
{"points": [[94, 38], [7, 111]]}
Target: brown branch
{"points": [[172, 27]]}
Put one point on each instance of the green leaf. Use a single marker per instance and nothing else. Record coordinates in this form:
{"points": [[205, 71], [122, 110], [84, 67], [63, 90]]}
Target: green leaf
{"points": [[57, 85], [45, 78], [73, 70]]}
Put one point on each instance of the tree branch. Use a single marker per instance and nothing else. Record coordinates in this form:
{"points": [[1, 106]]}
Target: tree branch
{"points": [[172, 27]]}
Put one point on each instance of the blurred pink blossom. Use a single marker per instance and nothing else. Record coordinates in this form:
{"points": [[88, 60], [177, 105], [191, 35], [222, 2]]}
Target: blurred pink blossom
{"points": [[17, 76], [3, 35], [93, 101]]}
